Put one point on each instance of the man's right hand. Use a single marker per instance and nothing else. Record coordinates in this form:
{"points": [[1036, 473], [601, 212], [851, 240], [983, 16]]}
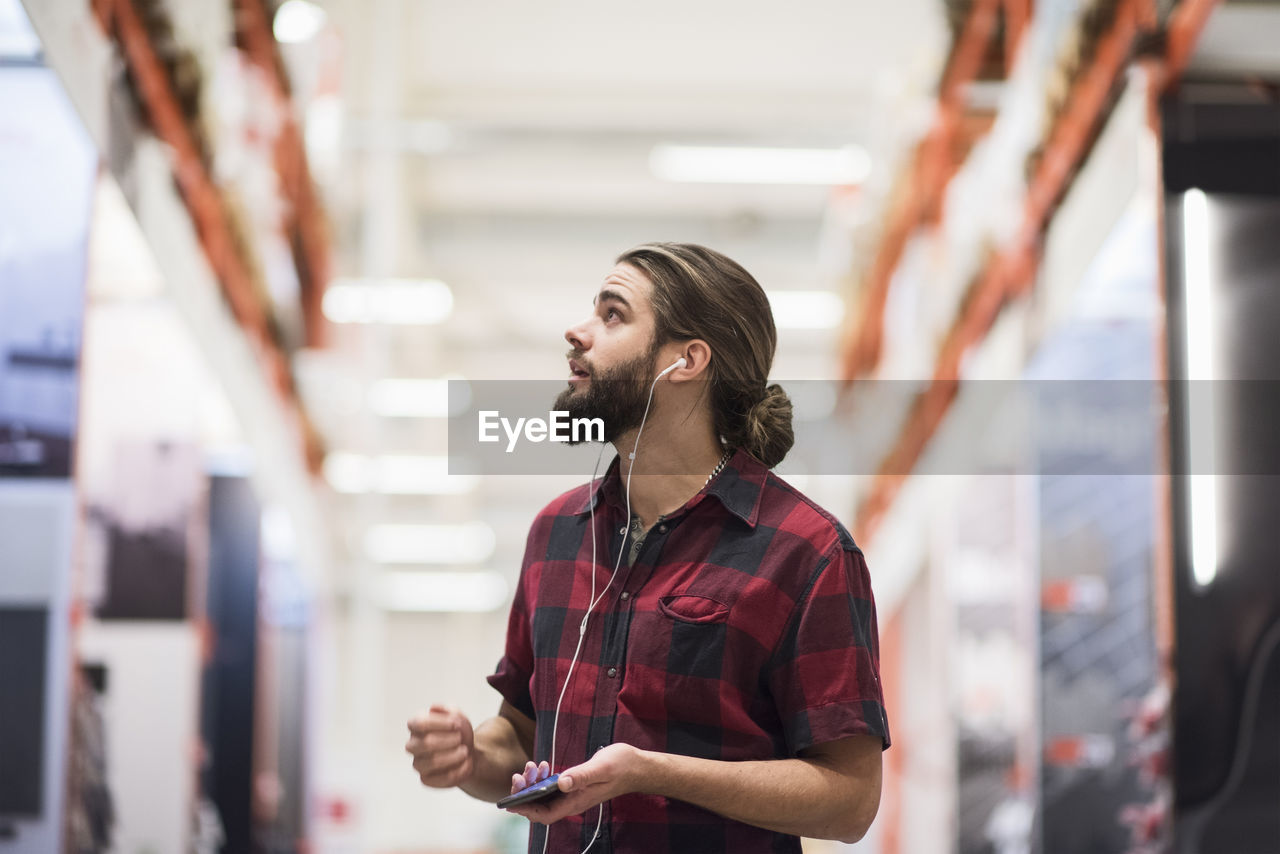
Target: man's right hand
{"points": [[442, 744]]}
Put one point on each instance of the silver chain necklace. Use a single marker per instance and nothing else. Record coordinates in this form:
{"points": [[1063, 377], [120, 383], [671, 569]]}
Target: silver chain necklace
{"points": [[637, 527], [724, 458]]}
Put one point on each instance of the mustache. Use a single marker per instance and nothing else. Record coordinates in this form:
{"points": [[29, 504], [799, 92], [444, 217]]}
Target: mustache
{"points": [[581, 359]]}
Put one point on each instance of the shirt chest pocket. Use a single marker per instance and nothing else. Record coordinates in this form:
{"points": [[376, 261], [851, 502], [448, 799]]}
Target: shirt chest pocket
{"points": [[693, 675], [685, 635], [680, 661], [693, 609]]}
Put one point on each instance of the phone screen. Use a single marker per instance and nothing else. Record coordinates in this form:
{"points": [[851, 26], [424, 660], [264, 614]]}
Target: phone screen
{"points": [[541, 789]]}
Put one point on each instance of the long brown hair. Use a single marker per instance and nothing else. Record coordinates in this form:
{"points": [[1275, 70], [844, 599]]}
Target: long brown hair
{"points": [[699, 293]]}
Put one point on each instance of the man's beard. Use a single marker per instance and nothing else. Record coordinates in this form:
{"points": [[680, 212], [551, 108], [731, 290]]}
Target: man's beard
{"points": [[617, 396]]}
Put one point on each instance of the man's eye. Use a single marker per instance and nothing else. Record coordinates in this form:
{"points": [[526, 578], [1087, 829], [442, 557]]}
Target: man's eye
{"points": [[612, 314]]}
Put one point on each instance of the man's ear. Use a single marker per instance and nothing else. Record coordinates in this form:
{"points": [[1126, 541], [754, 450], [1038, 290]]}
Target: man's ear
{"points": [[697, 356]]}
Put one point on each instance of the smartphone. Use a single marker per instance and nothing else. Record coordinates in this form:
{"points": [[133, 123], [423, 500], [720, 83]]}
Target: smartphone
{"points": [[539, 790]]}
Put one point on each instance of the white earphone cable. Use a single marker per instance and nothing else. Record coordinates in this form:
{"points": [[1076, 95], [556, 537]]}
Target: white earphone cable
{"points": [[594, 599]]}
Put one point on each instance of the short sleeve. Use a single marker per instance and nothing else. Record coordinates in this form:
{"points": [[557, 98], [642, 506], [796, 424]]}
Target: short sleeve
{"points": [[514, 673], [825, 673]]}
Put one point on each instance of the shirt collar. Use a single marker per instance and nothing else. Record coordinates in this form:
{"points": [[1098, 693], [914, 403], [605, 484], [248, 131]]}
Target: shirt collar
{"points": [[739, 487]]}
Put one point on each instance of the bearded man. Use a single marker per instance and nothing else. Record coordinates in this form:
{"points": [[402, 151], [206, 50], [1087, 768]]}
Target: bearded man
{"points": [[692, 646]]}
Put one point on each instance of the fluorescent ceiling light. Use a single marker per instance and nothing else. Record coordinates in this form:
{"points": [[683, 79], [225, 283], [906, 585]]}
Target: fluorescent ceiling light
{"points": [[399, 301], [297, 21], [279, 539], [17, 38], [442, 591], [408, 398], [1202, 494], [1203, 497], [1195, 256], [323, 130], [739, 165], [430, 544], [395, 475], [806, 309]]}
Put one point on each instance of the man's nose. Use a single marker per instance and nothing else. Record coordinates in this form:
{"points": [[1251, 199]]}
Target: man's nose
{"points": [[578, 336]]}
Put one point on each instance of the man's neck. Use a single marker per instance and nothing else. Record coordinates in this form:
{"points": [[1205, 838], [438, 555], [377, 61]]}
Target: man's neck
{"points": [[670, 467]]}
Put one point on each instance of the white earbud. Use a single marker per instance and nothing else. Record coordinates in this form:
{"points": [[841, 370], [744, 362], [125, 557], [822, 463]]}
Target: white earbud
{"points": [[679, 363]]}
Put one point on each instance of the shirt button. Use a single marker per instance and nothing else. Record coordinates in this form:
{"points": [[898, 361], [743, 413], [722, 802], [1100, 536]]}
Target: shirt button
{"points": [[613, 671], [625, 595], [662, 529], [622, 530]]}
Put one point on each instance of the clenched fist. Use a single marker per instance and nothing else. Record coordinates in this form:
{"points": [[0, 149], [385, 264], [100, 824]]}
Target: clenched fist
{"points": [[442, 744]]}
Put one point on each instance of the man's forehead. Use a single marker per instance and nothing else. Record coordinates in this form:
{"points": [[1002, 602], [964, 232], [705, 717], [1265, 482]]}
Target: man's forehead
{"points": [[627, 282]]}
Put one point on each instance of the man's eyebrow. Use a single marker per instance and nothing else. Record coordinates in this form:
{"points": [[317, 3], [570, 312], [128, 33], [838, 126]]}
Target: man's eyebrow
{"points": [[607, 294]]}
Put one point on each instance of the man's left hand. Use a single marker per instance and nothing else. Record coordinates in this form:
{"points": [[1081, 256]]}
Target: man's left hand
{"points": [[613, 771]]}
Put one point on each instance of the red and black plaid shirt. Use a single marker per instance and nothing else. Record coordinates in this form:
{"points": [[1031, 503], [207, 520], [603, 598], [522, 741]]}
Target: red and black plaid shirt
{"points": [[745, 629]]}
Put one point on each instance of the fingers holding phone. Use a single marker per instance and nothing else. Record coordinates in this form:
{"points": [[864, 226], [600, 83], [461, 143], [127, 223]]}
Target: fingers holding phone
{"points": [[537, 782], [534, 772], [442, 744]]}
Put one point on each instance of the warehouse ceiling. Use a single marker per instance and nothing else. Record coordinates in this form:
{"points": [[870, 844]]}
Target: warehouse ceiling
{"points": [[504, 147], [522, 134]]}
